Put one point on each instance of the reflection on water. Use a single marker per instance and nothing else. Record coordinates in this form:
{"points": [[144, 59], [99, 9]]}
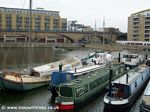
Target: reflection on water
{"points": [[14, 57], [18, 57]]}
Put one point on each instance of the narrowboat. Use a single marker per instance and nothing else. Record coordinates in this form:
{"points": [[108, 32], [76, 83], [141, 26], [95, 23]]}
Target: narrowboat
{"points": [[125, 90], [132, 60], [78, 92], [94, 61], [145, 104], [66, 76]]}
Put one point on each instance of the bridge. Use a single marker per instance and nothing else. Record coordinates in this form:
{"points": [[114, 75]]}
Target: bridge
{"points": [[64, 37]]}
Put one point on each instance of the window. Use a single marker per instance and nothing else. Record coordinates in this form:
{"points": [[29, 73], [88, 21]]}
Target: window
{"points": [[135, 84], [66, 91]]}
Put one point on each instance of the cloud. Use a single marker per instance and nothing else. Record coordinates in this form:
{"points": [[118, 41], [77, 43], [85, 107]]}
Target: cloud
{"points": [[116, 12]]}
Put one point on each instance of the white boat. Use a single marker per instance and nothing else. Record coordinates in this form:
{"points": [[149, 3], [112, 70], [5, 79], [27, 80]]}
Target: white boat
{"points": [[98, 57], [125, 90], [145, 104], [132, 60], [39, 76], [67, 64]]}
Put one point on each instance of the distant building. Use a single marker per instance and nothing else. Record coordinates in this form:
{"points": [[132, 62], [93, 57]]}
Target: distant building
{"points": [[73, 26], [139, 26], [17, 20]]}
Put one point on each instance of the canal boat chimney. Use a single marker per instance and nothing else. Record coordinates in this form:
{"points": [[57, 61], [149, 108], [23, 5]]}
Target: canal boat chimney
{"points": [[127, 78], [60, 67], [127, 75], [110, 78], [146, 57], [119, 57]]}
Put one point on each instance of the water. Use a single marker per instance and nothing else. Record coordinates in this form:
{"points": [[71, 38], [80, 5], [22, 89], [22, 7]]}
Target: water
{"points": [[38, 100], [11, 58]]}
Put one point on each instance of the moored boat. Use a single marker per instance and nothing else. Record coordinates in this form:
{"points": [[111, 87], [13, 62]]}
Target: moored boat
{"points": [[66, 76], [94, 61], [77, 92], [132, 60], [97, 57], [125, 90], [40, 76], [145, 104]]}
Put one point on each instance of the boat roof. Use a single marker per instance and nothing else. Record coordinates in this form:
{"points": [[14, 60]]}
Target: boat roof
{"points": [[132, 76], [83, 70], [147, 90], [56, 64], [84, 79], [130, 54]]}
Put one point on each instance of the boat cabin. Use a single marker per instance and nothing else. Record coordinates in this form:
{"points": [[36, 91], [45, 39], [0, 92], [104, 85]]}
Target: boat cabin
{"points": [[126, 85], [86, 83], [132, 60], [146, 95]]}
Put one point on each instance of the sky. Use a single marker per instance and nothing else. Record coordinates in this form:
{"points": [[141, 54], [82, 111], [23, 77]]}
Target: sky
{"points": [[114, 12]]}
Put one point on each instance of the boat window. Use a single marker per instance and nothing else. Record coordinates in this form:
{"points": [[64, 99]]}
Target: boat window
{"points": [[134, 56], [66, 91], [142, 77], [125, 56], [68, 77], [116, 72], [135, 84], [92, 85], [121, 69]]}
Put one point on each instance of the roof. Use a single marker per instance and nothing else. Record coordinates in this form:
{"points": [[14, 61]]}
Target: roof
{"points": [[90, 77], [82, 70], [132, 76], [42, 10], [147, 90], [141, 12], [130, 54]]}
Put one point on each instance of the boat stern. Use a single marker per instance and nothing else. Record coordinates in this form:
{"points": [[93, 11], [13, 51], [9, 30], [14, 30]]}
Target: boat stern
{"points": [[116, 105], [64, 103]]}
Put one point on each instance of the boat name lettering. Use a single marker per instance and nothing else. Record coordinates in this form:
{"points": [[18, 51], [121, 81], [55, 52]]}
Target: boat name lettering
{"points": [[81, 91]]}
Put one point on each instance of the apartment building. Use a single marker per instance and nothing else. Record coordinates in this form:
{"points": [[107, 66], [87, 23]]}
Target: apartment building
{"points": [[17, 20], [139, 26]]}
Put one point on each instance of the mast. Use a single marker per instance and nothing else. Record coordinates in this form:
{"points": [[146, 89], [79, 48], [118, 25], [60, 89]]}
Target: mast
{"points": [[95, 29], [104, 31], [29, 42]]}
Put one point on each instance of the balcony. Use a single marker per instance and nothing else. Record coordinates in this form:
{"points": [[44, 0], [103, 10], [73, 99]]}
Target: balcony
{"points": [[135, 19], [135, 27], [147, 27], [146, 35]]}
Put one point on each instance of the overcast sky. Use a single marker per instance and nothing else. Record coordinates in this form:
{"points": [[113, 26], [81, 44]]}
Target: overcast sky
{"points": [[115, 12]]}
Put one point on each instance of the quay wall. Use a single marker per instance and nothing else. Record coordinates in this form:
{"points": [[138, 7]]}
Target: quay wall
{"points": [[71, 46]]}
